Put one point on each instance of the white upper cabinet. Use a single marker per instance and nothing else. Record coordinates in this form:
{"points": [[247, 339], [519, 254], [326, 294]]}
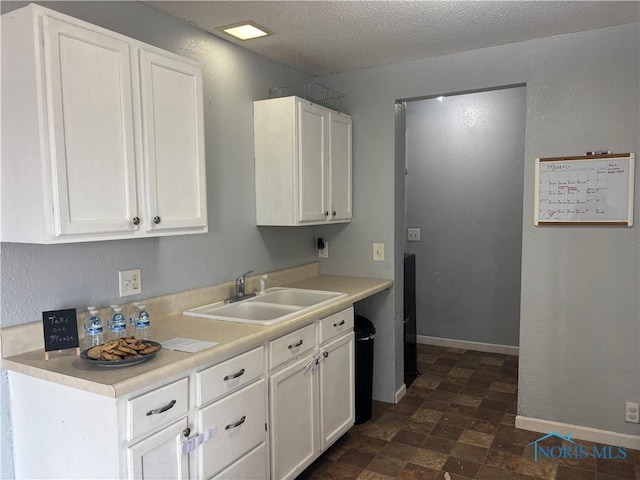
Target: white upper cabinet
{"points": [[302, 163], [340, 167], [102, 135], [89, 105], [171, 92]]}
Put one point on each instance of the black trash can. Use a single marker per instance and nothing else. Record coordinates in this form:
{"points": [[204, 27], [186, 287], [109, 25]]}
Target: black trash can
{"points": [[365, 332]]}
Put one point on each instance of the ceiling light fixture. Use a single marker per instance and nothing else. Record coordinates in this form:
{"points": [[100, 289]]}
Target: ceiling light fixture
{"points": [[245, 30]]}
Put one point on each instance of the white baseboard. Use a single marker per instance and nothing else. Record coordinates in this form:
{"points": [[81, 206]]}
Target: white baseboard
{"points": [[589, 434], [467, 345], [402, 391]]}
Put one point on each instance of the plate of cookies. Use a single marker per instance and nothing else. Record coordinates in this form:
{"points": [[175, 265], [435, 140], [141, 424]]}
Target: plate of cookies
{"points": [[121, 352]]}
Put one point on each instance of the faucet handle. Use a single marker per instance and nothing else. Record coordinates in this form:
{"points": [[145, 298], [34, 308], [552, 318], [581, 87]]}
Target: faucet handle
{"points": [[241, 277]]}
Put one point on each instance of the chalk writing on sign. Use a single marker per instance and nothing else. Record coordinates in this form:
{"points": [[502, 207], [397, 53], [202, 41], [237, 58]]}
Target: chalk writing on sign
{"points": [[60, 329]]}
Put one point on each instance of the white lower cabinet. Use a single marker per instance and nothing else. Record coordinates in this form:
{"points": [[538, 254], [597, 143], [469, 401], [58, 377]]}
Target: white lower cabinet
{"points": [[239, 420], [311, 397], [293, 426], [253, 466], [159, 456], [337, 400], [227, 420]]}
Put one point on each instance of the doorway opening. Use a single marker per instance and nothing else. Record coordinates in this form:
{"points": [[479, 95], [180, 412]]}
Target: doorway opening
{"points": [[464, 158]]}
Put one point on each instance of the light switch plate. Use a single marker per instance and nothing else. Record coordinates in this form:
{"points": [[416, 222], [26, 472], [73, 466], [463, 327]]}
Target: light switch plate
{"points": [[378, 252], [130, 282]]}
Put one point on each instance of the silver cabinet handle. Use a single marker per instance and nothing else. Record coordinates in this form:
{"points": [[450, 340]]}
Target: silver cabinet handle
{"points": [[155, 411], [295, 345], [234, 375], [135, 220], [237, 424], [186, 432], [339, 324], [156, 220], [333, 213]]}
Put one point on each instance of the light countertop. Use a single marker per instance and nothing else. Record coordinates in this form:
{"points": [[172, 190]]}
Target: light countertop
{"points": [[233, 338]]}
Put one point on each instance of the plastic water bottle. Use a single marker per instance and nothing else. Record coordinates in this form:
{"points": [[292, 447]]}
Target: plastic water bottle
{"points": [[143, 324], [93, 333], [133, 318], [117, 324]]}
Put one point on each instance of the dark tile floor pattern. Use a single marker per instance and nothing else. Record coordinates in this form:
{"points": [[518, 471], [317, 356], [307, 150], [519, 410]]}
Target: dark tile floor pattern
{"points": [[457, 418]]}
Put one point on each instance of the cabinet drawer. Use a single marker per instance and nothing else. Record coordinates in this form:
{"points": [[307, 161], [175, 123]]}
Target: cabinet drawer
{"points": [[157, 407], [253, 466], [292, 345], [336, 324], [230, 375], [240, 419]]}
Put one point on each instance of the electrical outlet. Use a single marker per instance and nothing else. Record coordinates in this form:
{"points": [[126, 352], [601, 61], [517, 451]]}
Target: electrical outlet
{"points": [[413, 234], [130, 282], [324, 252], [378, 252], [632, 412]]}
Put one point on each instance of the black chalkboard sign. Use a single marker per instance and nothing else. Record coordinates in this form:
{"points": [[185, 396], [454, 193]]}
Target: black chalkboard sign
{"points": [[60, 330]]}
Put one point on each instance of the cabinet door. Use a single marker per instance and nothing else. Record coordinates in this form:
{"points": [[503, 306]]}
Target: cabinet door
{"points": [[292, 393], [312, 152], [339, 185], [337, 400], [88, 82], [173, 143], [159, 456]]}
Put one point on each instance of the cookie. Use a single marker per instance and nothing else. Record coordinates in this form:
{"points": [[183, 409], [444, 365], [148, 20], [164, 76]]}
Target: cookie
{"points": [[109, 356], [110, 346], [95, 352], [122, 350], [150, 349]]}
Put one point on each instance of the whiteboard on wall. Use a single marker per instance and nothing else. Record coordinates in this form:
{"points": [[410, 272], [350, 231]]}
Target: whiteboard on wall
{"points": [[584, 190]]}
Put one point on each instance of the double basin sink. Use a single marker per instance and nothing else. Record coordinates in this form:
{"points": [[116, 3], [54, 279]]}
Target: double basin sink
{"points": [[273, 306]]}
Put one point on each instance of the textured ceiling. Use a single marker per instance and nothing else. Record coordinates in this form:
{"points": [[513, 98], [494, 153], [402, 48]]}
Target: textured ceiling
{"points": [[324, 37]]}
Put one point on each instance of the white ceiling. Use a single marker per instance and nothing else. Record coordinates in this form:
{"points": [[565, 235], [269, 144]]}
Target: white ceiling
{"points": [[324, 37]]}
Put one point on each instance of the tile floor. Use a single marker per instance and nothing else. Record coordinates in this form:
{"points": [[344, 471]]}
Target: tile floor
{"points": [[457, 418]]}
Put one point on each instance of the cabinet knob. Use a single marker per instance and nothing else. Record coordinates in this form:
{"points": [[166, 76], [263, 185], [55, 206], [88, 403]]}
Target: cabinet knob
{"points": [[333, 213], [186, 432], [135, 220], [326, 214], [156, 220]]}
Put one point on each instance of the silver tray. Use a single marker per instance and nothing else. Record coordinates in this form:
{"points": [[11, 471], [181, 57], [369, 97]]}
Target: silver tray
{"points": [[125, 362]]}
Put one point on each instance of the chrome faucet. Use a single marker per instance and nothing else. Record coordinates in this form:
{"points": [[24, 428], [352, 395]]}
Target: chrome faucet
{"points": [[240, 285]]}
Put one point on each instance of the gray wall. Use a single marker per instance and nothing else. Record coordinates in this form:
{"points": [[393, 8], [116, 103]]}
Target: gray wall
{"points": [[580, 314], [465, 157], [574, 329], [37, 278]]}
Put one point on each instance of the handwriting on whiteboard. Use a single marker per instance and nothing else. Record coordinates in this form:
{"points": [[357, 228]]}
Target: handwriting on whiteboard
{"points": [[582, 191]]}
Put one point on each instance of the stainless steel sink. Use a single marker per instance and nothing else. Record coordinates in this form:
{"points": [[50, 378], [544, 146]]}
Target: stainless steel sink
{"points": [[275, 305]]}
